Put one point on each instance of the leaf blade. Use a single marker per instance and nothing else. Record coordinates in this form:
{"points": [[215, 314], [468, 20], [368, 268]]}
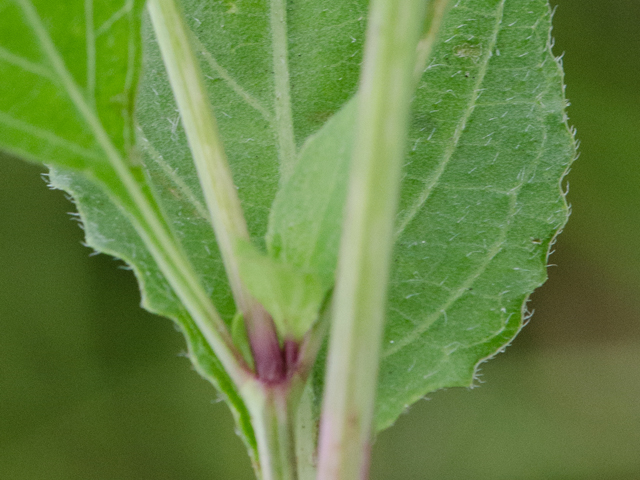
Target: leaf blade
{"points": [[481, 306], [305, 221], [291, 295], [481, 199], [107, 230]]}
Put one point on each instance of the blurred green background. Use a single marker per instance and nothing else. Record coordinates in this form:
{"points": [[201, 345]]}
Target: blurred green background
{"points": [[92, 387]]}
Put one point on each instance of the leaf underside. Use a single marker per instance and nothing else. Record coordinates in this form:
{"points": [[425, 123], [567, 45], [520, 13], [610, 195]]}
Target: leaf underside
{"points": [[481, 196], [481, 199]]}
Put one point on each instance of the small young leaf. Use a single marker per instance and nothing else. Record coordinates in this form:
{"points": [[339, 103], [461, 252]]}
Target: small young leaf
{"points": [[292, 296], [306, 217], [241, 339], [238, 46]]}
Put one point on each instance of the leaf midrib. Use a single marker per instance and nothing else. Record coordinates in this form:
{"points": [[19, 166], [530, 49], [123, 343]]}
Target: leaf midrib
{"points": [[90, 116], [282, 118], [115, 159], [91, 50]]}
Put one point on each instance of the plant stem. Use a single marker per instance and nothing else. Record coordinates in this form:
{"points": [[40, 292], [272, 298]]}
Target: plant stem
{"points": [[177, 269], [306, 434], [386, 89], [187, 83], [201, 129], [282, 414], [272, 409]]}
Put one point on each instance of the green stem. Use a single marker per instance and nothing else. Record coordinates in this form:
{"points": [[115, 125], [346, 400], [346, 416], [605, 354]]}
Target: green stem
{"points": [[282, 416], [387, 85], [187, 83], [180, 274], [306, 434], [201, 129], [271, 407]]}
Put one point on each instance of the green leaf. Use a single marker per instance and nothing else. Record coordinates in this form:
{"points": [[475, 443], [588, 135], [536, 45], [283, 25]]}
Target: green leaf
{"points": [[305, 222], [107, 230], [69, 72], [481, 200], [292, 296], [241, 338], [74, 109]]}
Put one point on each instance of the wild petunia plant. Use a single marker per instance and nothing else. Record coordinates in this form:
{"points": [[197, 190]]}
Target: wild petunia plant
{"points": [[343, 204]]}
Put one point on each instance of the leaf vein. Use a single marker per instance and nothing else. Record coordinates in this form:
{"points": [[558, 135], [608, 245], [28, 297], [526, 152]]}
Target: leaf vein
{"points": [[464, 287], [76, 96], [26, 65], [91, 51], [494, 250], [48, 136], [231, 82], [130, 77], [448, 154], [174, 177], [104, 28], [284, 117]]}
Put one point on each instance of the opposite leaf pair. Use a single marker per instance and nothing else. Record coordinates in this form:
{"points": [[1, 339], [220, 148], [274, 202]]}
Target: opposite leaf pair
{"points": [[480, 202]]}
